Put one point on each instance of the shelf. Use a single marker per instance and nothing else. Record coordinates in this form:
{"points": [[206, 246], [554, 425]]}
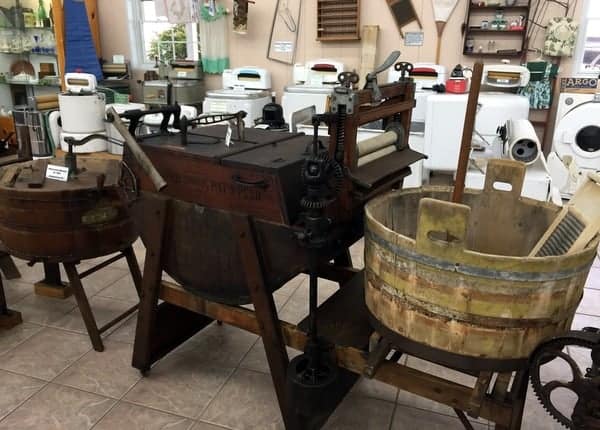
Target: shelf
{"points": [[26, 28], [480, 30], [28, 53], [31, 84], [493, 54], [338, 21], [492, 8]]}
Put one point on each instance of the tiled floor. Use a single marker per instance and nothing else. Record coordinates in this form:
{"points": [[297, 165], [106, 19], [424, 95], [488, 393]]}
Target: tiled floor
{"points": [[50, 378]]}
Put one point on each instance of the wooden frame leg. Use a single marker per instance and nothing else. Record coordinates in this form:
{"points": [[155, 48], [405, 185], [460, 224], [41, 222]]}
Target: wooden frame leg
{"points": [[160, 328], [52, 285], [8, 267], [8, 317], [84, 306], [266, 314], [134, 269], [517, 396], [344, 259], [150, 287]]}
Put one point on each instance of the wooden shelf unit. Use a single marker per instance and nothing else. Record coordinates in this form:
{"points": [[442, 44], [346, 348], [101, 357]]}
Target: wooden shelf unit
{"points": [[338, 20], [473, 30], [493, 54]]}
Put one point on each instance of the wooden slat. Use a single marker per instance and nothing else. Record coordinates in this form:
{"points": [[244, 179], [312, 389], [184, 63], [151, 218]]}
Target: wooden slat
{"points": [[91, 8], [59, 35], [368, 51], [336, 23]]}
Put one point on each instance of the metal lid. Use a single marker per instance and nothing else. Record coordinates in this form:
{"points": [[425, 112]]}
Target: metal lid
{"points": [[237, 94], [306, 89], [158, 83]]}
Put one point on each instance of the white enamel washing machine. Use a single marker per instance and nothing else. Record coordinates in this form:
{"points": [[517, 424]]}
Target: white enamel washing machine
{"points": [[245, 88], [446, 115], [425, 77], [576, 141], [82, 112], [313, 85]]}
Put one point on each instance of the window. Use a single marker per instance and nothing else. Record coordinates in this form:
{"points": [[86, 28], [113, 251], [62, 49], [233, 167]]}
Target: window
{"points": [[588, 46], [153, 36]]}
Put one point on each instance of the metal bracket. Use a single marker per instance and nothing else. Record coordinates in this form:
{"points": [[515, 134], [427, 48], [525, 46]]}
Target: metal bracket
{"points": [[344, 94]]}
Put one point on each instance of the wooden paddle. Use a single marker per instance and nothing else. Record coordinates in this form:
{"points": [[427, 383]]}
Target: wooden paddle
{"points": [[467, 136], [442, 9]]}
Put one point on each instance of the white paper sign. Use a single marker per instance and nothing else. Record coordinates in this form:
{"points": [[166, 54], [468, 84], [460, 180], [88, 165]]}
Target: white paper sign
{"points": [[118, 59], [414, 38], [283, 46], [58, 173]]}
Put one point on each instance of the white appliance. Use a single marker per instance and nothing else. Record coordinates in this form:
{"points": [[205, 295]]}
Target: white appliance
{"points": [[425, 76], [111, 131], [82, 111], [517, 140], [244, 88], [313, 85], [446, 115], [576, 141]]}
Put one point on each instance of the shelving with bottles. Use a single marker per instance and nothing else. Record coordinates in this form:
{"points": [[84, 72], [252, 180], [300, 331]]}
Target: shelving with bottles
{"points": [[27, 43], [496, 28]]}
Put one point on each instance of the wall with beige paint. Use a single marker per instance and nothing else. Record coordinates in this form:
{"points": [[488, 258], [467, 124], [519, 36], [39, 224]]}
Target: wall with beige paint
{"points": [[250, 49]]}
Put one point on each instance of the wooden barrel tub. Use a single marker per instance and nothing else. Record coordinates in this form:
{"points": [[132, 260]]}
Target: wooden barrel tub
{"points": [[86, 217], [453, 283]]}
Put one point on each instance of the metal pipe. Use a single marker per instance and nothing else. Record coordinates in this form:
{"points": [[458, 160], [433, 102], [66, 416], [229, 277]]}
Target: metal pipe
{"points": [[136, 151]]}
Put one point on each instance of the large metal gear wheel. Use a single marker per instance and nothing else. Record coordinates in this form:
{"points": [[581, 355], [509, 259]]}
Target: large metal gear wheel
{"points": [[584, 383]]}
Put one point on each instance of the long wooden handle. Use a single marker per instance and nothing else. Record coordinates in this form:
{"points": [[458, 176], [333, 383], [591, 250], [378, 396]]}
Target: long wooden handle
{"points": [[438, 49], [467, 137], [138, 154]]}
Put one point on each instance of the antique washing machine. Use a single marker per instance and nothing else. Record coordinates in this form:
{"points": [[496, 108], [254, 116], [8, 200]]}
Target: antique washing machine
{"points": [[245, 88], [313, 85], [444, 283], [82, 113], [576, 139], [53, 221]]}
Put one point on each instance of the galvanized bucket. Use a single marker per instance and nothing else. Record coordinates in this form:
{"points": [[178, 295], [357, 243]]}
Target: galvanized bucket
{"points": [[454, 284]]}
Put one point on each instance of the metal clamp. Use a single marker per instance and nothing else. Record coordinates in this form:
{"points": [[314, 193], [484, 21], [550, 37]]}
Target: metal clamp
{"points": [[344, 95], [404, 68], [371, 79]]}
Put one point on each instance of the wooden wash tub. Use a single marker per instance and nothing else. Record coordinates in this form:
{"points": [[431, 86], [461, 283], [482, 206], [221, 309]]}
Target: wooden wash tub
{"points": [[453, 284], [83, 218]]}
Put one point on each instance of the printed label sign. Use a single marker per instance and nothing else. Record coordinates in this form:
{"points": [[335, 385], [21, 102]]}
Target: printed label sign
{"points": [[575, 85], [414, 38], [58, 173]]}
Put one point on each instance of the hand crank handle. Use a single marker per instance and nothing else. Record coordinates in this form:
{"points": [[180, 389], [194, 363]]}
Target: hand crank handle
{"points": [[137, 152], [72, 141], [389, 62]]}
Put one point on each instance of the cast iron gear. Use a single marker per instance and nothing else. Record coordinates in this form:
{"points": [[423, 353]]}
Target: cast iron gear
{"points": [[584, 384]]}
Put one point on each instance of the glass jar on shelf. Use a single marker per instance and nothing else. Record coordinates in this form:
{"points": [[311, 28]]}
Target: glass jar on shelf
{"points": [[5, 37]]}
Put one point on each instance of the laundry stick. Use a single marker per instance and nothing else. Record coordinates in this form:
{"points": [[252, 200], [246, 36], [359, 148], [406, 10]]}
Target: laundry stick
{"points": [[467, 137]]}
